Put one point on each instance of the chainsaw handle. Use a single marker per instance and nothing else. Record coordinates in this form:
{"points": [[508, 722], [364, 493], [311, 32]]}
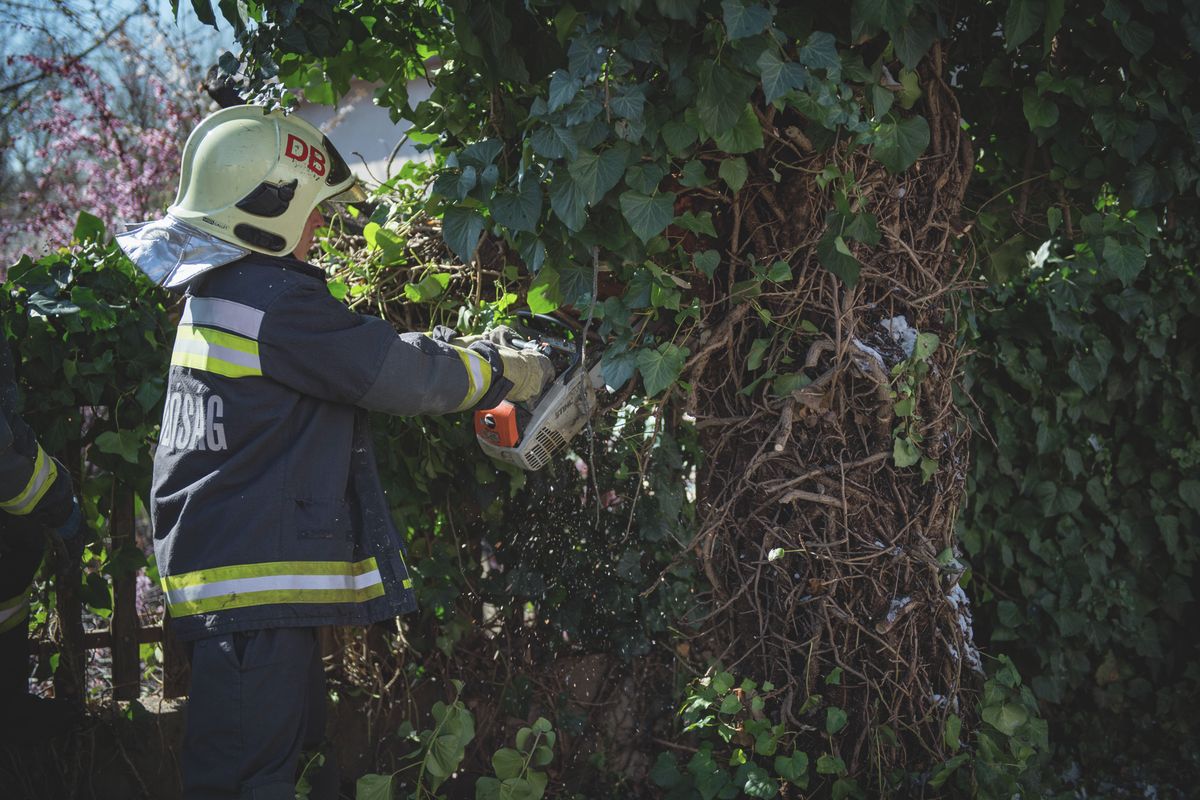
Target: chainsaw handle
{"points": [[531, 323]]}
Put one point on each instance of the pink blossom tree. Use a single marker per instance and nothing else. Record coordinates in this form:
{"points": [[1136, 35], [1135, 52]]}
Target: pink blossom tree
{"points": [[91, 159]]}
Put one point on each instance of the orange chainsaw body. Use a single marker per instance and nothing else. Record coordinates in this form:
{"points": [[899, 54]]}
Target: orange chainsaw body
{"points": [[498, 425]]}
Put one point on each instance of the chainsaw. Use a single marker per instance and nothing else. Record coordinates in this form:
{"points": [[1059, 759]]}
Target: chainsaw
{"points": [[529, 434]]}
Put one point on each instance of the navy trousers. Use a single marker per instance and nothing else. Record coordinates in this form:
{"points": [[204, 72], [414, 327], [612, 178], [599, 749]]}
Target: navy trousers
{"points": [[257, 699]]}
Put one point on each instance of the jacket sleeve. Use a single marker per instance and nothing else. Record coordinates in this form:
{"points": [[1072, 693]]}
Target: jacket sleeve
{"points": [[32, 485], [312, 343]]}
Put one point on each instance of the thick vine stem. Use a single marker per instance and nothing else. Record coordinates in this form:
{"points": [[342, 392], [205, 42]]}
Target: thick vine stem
{"points": [[858, 588]]}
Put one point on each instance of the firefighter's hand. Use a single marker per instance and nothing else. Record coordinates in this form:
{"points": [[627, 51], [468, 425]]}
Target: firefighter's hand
{"points": [[528, 370], [501, 336]]}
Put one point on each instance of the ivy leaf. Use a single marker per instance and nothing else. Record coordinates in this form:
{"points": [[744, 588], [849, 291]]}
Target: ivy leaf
{"points": [[697, 223], [617, 366], [952, 732], [520, 211], [835, 256], [899, 144], [665, 772], [830, 765], [835, 719], [1137, 38], [1006, 718], [460, 229], [480, 154], [575, 285], [904, 452], [913, 40], [594, 174], [629, 102], [373, 787], [1123, 260], [722, 97], [707, 261], [734, 172], [563, 88], [551, 141], [1056, 500], [88, 228], [793, 768], [759, 783], [745, 136], [507, 763], [820, 52], [1055, 10], [742, 20], [692, 175], [863, 227], [1189, 492], [778, 76], [1040, 111], [660, 367], [544, 295], [678, 9], [126, 444], [648, 216], [428, 289], [1147, 186], [678, 136], [1021, 20], [644, 177], [568, 202], [204, 12]]}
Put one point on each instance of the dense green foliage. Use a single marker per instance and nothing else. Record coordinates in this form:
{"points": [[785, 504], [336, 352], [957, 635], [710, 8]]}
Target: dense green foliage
{"points": [[1082, 515], [90, 334]]}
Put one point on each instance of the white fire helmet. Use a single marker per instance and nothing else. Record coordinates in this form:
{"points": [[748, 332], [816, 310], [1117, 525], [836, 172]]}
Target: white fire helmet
{"points": [[251, 177]]}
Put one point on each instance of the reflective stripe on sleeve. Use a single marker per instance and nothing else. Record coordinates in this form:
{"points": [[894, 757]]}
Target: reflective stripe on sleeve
{"points": [[14, 610], [215, 312], [479, 376], [45, 472], [216, 351], [272, 583]]}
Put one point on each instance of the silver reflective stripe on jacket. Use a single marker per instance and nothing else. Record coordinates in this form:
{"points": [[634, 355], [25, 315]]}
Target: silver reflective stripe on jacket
{"points": [[200, 344], [271, 583]]}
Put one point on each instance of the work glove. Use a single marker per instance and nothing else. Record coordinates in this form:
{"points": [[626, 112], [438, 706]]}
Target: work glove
{"points": [[528, 370], [501, 336]]}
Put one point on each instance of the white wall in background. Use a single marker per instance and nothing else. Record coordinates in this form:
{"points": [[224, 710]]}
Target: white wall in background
{"points": [[357, 125]]}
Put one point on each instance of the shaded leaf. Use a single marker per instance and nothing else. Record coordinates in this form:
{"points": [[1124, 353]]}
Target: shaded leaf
{"points": [[461, 228], [743, 19], [648, 215], [899, 144]]}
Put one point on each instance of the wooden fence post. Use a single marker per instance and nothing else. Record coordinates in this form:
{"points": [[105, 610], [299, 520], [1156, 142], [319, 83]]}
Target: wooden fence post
{"points": [[126, 661], [69, 678]]}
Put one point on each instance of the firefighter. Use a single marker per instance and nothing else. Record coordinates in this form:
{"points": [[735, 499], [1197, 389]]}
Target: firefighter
{"points": [[35, 497], [269, 518]]}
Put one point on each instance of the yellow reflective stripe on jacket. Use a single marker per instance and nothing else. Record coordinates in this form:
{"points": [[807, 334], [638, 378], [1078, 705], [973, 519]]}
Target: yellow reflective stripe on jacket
{"points": [[216, 351], [45, 472], [14, 610], [271, 583], [479, 376]]}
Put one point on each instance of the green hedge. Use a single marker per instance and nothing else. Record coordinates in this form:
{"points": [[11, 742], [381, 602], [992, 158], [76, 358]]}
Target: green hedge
{"points": [[1084, 499]]}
